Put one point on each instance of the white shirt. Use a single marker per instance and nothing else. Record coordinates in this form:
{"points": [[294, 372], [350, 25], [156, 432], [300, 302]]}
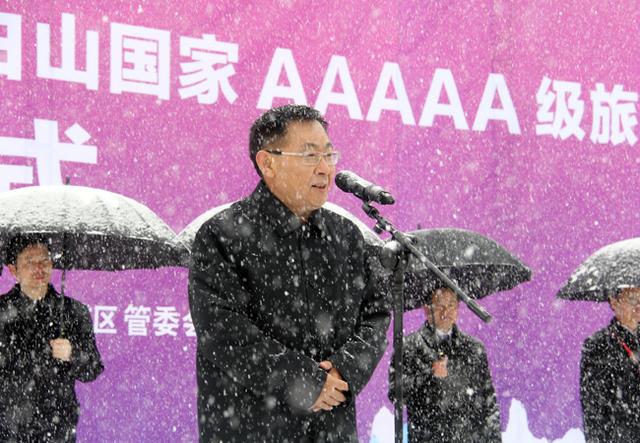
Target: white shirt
{"points": [[443, 335]]}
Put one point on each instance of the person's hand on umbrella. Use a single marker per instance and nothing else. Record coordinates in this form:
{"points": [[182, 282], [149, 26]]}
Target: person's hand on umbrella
{"points": [[439, 367], [61, 349], [332, 393]]}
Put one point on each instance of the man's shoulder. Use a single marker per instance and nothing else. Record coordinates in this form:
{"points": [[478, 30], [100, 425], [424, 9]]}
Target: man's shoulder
{"points": [[598, 340], [5, 300], [413, 337], [417, 339], [600, 353], [344, 230], [75, 304], [471, 342], [336, 219], [8, 297], [228, 219]]}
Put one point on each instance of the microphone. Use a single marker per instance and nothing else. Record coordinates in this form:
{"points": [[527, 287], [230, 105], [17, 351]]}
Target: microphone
{"points": [[364, 190]]}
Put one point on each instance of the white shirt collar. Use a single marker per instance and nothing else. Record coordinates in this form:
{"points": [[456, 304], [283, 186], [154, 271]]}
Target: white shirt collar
{"points": [[443, 334]]}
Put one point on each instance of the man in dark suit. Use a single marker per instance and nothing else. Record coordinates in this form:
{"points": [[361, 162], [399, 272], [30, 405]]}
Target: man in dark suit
{"points": [[610, 375], [288, 314], [446, 380], [46, 344]]}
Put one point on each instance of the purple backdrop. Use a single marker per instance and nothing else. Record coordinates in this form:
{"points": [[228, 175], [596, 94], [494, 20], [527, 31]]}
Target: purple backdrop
{"points": [[525, 147]]}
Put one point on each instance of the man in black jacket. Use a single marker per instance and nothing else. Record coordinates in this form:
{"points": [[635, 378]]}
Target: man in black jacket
{"points": [[289, 318], [446, 380], [610, 375], [46, 344]]}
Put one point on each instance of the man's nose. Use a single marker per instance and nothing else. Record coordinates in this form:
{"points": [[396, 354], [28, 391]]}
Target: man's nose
{"points": [[40, 265], [323, 167]]}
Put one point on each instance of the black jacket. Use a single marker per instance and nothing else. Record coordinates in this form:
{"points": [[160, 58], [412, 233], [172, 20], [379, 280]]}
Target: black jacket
{"points": [[458, 408], [270, 298], [610, 386], [37, 394]]}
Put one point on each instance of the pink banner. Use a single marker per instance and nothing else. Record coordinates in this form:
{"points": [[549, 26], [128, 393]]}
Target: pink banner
{"points": [[508, 118]]}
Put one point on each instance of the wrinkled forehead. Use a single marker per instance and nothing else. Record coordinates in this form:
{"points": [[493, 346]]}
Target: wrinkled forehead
{"points": [[629, 294], [305, 136], [444, 297]]}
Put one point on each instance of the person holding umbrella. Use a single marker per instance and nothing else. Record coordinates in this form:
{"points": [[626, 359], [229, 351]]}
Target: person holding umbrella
{"points": [[46, 344], [439, 373], [447, 384], [610, 374], [290, 320], [609, 369]]}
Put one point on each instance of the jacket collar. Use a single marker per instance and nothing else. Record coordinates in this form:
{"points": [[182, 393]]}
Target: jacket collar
{"points": [[429, 334], [623, 333], [20, 300], [274, 212]]}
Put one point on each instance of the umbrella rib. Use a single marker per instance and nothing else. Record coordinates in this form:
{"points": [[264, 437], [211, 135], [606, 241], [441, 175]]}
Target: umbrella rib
{"points": [[138, 214], [113, 214]]}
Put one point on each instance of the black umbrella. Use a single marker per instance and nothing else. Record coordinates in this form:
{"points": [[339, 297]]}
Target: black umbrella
{"points": [[609, 269], [477, 264], [188, 234], [89, 228]]}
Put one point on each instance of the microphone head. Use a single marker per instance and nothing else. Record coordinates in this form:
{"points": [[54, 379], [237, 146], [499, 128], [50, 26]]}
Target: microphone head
{"points": [[349, 182], [345, 180], [386, 199]]}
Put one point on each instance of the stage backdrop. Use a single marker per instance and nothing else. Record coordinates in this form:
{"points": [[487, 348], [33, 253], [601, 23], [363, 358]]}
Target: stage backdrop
{"points": [[513, 119]]}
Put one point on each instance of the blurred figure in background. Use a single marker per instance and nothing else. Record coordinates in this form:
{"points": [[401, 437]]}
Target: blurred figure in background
{"points": [[46, 344], [610, 375], [447, 384]]}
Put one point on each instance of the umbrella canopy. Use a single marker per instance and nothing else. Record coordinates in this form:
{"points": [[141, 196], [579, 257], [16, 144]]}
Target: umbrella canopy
{"points": [[188, 234], [96, 229], [369, 236], [609, 269], [477, 264]]}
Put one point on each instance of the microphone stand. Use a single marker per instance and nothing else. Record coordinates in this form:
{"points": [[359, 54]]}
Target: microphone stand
{"points": [[395, 256]]}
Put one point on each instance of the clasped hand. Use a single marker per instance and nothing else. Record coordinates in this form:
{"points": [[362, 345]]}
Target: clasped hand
{"points": [[332, 393]]}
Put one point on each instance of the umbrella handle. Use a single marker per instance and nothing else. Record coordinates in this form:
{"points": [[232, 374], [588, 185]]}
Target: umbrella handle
{"points": [[61, 313], [67, 181]]}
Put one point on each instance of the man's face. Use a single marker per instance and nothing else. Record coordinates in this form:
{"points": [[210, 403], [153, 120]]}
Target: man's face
{"points": [[33, 268], [443, 309], [627, 307], [303, 188]]}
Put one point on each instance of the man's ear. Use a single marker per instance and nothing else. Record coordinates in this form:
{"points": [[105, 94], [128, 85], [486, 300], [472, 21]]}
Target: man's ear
{"points": [[265, 164]]}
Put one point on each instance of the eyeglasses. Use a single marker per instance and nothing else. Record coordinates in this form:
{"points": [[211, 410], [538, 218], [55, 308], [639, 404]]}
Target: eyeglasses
{"points": [[37, 262], [633, 301], [311, 158]]}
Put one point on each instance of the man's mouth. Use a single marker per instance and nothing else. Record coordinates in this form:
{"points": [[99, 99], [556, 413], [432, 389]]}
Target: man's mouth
{"points": [[320, 186]]}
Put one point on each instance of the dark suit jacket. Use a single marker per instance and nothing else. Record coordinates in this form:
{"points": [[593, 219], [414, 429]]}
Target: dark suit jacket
{"points": [[459, 408], [610, 386], [270, 298], [37, 394]]}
